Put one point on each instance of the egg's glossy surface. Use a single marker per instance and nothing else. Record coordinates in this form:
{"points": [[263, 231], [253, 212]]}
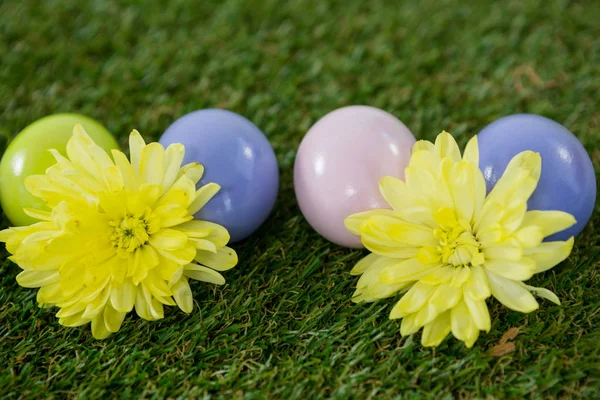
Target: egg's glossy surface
{"points": [[340, 162], [28, 155], [568, 181], [236, 155]]}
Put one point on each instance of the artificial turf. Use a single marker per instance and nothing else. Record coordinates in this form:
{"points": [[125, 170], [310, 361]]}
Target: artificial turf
{"points": [[284, 326]]}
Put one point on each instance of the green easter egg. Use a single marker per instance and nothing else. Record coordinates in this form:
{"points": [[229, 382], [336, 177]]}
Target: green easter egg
{"points": [[28, 155]]}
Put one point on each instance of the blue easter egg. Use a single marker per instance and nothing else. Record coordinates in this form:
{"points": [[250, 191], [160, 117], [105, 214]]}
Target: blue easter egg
{"points": [[568, 181], [236, 155]]}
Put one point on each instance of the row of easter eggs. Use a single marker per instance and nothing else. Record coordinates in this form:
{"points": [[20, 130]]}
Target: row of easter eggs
{"points": [[337, 170]]}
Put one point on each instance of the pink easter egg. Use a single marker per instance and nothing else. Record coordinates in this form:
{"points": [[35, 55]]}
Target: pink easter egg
{"points": [[340, 162]]}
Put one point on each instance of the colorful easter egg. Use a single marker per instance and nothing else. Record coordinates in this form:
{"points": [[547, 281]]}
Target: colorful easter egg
{"points": [[236, 155], [28, 155], [568, 181], [340, 162]]}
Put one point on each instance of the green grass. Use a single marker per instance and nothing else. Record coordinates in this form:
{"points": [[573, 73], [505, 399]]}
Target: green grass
{"points": [[284, 326]]}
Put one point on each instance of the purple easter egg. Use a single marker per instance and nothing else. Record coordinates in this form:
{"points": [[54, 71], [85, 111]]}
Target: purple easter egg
{"points": [[340, 162], [236, 155], [568, 181]]}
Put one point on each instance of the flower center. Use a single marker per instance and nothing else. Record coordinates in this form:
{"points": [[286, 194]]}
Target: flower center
{"points": [[129, 233], [458, 247], [457, 244]]}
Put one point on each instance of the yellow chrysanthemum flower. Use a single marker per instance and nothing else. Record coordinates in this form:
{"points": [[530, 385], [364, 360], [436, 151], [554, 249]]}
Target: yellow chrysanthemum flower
{"points": [[119, 234], [449, 247]]}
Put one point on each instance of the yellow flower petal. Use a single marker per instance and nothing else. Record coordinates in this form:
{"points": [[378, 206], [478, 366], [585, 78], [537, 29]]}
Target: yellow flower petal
{"points": [[193, 171], [445, 146], [203, 245], [38, 214], [398, 252], [96, 306], [408, 326], [71, 279], [463, 326], [390, 230], [423, 145], [549, 254], [492, 235], [185, 254], [421, 185], [168, 239], [445, 297], [518, 181], [471, 154], [13, 237], [438, 275], [395, 192], [426, 160], [149, 257], [543, 293], [200, 273], [436, 331], [171, 270], [355, 221], [180, 195], [99, 330], [61, 162], [183, 295], [92, 291], [73, 320], [446, 218], [113, 179], [173, 158], [521, 270], [203, 196], [33, 279], [511, 294], [479, 313], [156, 286], [365, 263], [477, 287], [113, 319], [509, 249], [216, 233], [420, 215], [513, 218], [40, 187], [405, 270], [122, 296], [550, 222], [464, 189], [172, 215], [370, 287], [136, 145], [489, 218], [530, 236], [96, 153], [460, 277], [412, 301], [76, 308], [146, 306], [128, 174], [152, 164], [425, 315], [428, 255], [49, 294], [224, 259], [86, 155]]}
